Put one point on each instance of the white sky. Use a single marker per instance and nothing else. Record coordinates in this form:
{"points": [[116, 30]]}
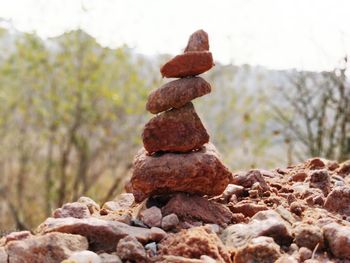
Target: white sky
{"points": [[306, 34]]}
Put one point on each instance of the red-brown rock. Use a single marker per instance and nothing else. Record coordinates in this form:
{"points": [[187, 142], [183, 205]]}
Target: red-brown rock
{"points": [[264, 223], [231, 190], [199, 172], [248, 208], [151, 217], [17, 236], [299, 177], [170, 221], [338, 238], [50, 248], [316, 163], [308, 236], [129, 248], [344, 168], [123, 202], [192, 207], [102, 235], [91, 204], [270, 223], [260, 249], [178, 259], [75, 209], [175, 94], [188, 64], [338, 200], [198, 41], [84, 256], [304, 254], [248, 179], [176, 130], [3, 255], [321, 179], [193, 243]]}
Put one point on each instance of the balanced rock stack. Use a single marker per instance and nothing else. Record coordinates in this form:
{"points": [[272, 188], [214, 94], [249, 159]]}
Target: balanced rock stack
{"points": [[177, 155]]}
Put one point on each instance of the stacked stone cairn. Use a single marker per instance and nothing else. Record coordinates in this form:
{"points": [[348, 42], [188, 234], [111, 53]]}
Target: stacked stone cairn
{"points": [[177, 155]]}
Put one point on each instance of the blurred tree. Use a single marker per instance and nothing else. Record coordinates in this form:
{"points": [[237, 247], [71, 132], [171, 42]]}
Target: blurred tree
{"points": [[72, 111], [316, 114], [238, 117]]}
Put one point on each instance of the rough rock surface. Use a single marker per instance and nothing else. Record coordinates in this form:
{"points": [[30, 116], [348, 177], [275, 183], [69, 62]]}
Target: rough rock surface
{"points": [[3, 255], [260, 249], [249, 179], [308, 236], [123, 202], [176, 94], [195, 208], [304, 254], [265, 223], [110, 258], [338, 238], [53, 247], [198, 41], [151, 217], [129, 248], [270, 223], [248, 209], [76, 209], [344, 168], [176, 130], [102, 234], [91, 204], [193, 243], [188, 64], [85, 256], [199, 172], [338, 200], [293, 226], [16, 236], [170, 221], [321, 179]]}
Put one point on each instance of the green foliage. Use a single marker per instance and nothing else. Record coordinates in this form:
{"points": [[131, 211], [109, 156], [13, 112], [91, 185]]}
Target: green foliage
{"points": [[71, 112]]}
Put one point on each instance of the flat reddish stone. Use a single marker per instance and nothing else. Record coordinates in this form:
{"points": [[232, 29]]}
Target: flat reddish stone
{"points": [[198, 41], [176, 130], [199, 172], [188, 64], [52, 247], [176, 94], [248, 209], [102, 235]]}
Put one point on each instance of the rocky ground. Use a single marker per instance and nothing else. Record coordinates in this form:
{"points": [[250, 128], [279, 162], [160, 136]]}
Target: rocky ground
{"points": [[297, 214], [184, 205]]}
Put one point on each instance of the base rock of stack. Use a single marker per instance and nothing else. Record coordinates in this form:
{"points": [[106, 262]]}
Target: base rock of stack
{"points": [[199, 172], [176, 130], [188, 64], [175, 94]]}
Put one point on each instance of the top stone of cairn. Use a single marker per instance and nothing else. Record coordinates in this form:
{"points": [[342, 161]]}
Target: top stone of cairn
{"points": [[196, 60], [198, 41]]}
